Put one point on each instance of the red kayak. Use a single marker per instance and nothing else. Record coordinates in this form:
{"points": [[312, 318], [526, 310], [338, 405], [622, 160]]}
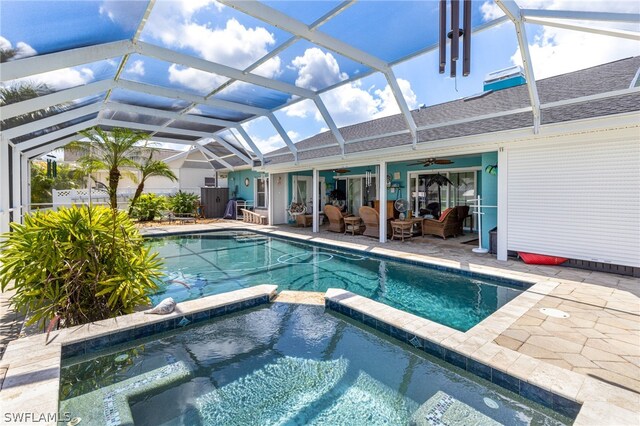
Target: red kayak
{"points": [[541, 259]]}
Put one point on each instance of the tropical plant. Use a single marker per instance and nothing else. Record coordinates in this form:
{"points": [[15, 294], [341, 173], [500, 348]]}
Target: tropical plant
{"points": [[440, 180], [148, 207], [42, 185], [148, 168], [183, 203], [110, 151], [77, 264]]}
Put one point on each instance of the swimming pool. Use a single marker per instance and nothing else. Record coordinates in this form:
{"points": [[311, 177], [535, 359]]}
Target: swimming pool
{"points": [[282, 364], [210, 263]]}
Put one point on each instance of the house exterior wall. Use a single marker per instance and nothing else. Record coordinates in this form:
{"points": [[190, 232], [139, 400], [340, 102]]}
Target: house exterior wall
{"points": [[576, 197], [237, 188]]}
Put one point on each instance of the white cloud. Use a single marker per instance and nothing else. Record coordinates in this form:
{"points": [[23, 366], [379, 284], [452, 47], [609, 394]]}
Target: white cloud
{"points": [[269, 144], [137, 68], [294, 136], [200, 81], [350, 104], [317, 70], [302, 109], [4, 43], [233, 44], [271, 68], [490, 11], [119, 13], [61, 79], [22, 49], [556, 51]]}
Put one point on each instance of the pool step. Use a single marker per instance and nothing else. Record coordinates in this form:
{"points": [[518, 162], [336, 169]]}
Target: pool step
{"points": [[110, 405], [255, 238], [443, 409], [303, 391]]}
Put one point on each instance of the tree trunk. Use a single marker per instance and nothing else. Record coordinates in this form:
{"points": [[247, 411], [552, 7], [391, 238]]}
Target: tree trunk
{"points": [[137, 194], [114, 179]]}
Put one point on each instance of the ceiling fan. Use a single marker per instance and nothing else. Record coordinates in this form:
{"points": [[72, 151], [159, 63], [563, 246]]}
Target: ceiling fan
{"points": [[341, 171], [431, 161]]}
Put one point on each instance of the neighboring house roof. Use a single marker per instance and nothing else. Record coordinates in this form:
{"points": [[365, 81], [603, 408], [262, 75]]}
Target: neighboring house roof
{"points": [[393, 131], [72, 155]]}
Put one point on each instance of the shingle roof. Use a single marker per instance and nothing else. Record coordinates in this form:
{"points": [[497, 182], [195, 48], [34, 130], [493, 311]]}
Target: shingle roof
{"points": [[608, 77]]}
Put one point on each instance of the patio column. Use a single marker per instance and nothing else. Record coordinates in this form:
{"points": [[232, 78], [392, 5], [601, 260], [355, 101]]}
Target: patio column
{"points": [[270, 199], [382, 181], [17, 198], [316, 200], [4, 185], [25, 186], [502, 204]]}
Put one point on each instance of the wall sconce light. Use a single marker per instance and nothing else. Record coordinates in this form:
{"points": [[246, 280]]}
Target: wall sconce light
{"points": [[492, 169]]}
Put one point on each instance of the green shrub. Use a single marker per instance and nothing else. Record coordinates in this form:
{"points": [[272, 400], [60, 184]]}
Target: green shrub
{"points": [[149, 206], [184, 203], [80, 264]]}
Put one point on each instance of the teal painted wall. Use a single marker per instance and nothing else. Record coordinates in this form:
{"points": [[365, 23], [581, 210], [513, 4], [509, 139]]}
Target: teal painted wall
{"points": [[236, 178], [404, 169], [489, 194]]}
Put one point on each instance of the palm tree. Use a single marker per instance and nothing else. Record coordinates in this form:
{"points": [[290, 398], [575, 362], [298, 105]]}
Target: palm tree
{"points": [[22, 91], [7, 54], [148, 168], [110, 151], [440, 180]]}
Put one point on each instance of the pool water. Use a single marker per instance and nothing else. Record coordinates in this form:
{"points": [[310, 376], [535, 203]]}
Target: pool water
{"points": [[283, 364], [203, 264]]}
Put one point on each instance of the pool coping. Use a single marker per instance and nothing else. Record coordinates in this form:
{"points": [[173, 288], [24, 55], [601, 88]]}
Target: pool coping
{"points": [[589, 400], [32, 382]]}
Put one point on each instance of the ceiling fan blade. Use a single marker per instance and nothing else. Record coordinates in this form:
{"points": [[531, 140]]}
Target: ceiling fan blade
{"points": [[443, 162]]}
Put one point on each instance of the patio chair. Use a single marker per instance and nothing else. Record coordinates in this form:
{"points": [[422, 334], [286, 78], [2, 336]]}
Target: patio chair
{"points": [[336, 219], [371, 220], [446, 226]]}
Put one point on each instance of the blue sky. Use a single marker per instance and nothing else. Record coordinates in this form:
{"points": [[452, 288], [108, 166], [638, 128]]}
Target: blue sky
{"points": [[388, 30]]}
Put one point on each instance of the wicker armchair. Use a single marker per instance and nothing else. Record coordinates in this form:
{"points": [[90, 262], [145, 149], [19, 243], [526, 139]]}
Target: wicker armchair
{"points": [[446, 226], [371, 220], [336, 219]]}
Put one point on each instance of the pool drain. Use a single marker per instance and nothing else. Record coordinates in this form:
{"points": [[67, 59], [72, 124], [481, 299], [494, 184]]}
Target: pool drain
{"points": [[555, 313], [490, 403]]}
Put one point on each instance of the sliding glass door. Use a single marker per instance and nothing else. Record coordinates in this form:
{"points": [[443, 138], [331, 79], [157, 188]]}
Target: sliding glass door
{"points": [[424, 200]]}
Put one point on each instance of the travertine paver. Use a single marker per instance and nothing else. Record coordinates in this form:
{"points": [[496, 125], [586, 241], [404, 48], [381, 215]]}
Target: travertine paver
{"points": [[596, 340], [600, 339], [300, 297]]}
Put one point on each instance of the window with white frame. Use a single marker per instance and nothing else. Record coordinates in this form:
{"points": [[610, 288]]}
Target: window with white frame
{"points": [[261, 193]]}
